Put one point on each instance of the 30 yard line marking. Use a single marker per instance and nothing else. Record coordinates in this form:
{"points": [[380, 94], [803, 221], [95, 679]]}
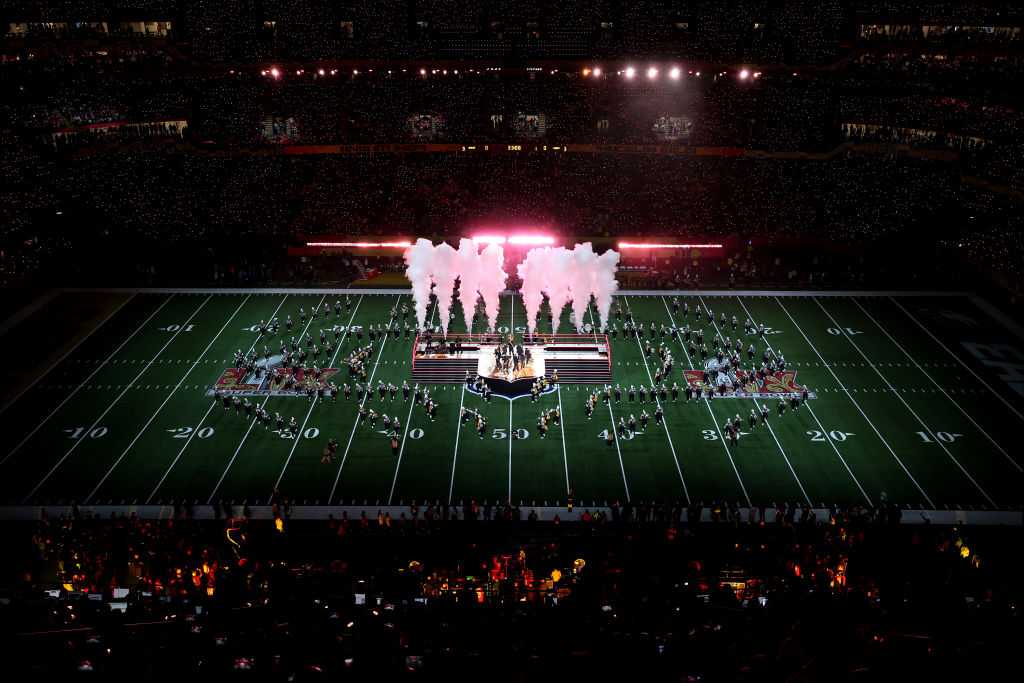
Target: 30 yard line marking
{"points": [[808, 406], [856, 405], [714, 420], [458, 431], [113, 403], [315, 401], [671, 446], [209, 410], [355, 423], [252, 423], [614, 429], [85, 382], [766, 423], [939, 387], [60, 360], [191, 367], [907, 406], [959, 360]]}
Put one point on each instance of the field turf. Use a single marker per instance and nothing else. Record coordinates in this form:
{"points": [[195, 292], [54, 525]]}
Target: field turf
{"points": [[915, 405]]}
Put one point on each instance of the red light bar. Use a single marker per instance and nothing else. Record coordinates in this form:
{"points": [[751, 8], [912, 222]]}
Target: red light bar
{"points": [[644, 245], [361, 245], [488, 239], [531, 239]]}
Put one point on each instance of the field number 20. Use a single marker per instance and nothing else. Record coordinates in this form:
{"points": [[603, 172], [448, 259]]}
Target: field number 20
{"points": [[835, 435]]}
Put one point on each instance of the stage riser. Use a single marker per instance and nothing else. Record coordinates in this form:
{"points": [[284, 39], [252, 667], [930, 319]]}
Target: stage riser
{"points": [[454, 371]]}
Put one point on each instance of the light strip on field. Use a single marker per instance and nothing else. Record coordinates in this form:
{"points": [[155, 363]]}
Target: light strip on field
{"points": [[645, 245], [361, 245]]}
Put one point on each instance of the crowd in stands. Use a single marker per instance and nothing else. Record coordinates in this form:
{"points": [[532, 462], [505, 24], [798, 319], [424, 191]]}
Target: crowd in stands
{"points": [[493, 592]]}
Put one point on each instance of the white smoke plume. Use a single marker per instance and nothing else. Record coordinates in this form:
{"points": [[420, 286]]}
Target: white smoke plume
{"points": [[532, 273], [419, 261], [582, 274], [470, 275], [568, 276], [605, 284], [444, 272], [492, 281]]}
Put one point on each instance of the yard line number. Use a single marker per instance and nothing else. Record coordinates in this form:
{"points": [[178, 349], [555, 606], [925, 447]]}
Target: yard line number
{"points": [[175, 328], [310, 433], [835, 435], [628, 436], [502, 433], [186, 432], [838, 331], [82, 432], [946, 437]]}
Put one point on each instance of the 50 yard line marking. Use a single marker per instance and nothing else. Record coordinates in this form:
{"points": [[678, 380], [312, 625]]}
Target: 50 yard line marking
{"points": [[907, 406], [252, 423], [85, 381], [192, 366], [823, 430], [316, 400], [114, 402], [714, 420], [355, 423], [209, 410], [959, 407], [643, 355]]}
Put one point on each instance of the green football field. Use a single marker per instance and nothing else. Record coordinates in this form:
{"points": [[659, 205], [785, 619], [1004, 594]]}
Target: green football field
{"points": [[916, 403]]}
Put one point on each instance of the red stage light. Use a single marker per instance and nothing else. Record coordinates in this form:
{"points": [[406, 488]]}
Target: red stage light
{"points": [[361, 245], [645, 245]]}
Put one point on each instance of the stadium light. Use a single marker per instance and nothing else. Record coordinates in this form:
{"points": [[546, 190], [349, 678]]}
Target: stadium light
{"points": [[275, 73], [674, 73], [320, 72], [586, 72], [744, 74], [652, 73], [651, 245], [630, 72], [361, 245], [423, 72], [597, 72]]}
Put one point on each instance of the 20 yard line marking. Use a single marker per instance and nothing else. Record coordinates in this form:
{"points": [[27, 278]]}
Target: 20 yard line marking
{"points": [[842, 387], [767, 423], [85, 381], [191, 367], [959, 360], [316, 400], [932, 380], [823, 430], [253, 422], [355, 423], [209, 410], [671, 446], [714, 420], [114, 402]]}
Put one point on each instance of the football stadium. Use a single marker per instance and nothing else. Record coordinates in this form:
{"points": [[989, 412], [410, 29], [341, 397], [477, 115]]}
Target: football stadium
{"points": [[430, 338]]}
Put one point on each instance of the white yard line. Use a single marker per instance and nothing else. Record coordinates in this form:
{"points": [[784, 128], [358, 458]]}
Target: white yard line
{"points": [[85, 381], [956, 403], [54, 365], [613, 427], [767, 423], [823, 430], [313, 404], [252, 423], [126, 389], [959, 360], [561, 430], [714, 420], [664, 424], [458, 430], [907, 406], [213, 404], [355, 423], [856, 405], [174, 390]]}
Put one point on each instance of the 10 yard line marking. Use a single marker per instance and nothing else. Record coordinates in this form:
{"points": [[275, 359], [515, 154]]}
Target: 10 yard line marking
{"points": [[191, 367], [203, 419], [643, 355], [114, 402], [614, 429], [86, 380], [911, 410], [766, 423], [316, 400], [959, 360], [355, 424], [60, 360], [939, 387], [823, 430], [855, 403], [714, 420], [253, 422]]}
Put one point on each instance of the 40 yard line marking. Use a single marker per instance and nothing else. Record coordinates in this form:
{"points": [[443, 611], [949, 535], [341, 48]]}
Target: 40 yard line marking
{"points": [[316, 401], [191, 367], [614, 429], [114, 402], [561, 430], [767, 423], [959, 407], [714, 420], [85, 381], [213, 404], [253, 422], [907, 406], [823, 430], [458, 430]]}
